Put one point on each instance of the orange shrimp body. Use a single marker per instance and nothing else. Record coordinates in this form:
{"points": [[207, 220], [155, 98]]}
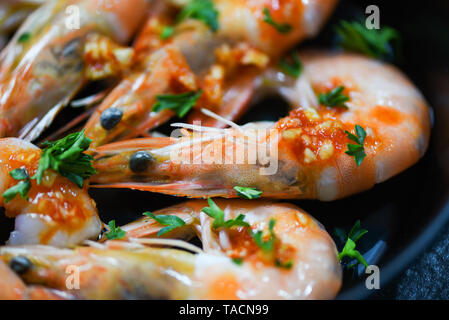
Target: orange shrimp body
{"points": [[307, 155], [301, 263]]}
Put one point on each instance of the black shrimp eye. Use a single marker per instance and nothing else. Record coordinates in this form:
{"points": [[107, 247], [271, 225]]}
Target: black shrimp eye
{"points": [[20, 264], [110, 118], [140, 161]]}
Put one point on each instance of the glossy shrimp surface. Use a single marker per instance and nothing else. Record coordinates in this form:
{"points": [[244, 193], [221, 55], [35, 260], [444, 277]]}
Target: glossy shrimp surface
{"points": [[309, 146], [302, 262], [56, 212], [12, 14], [224, 64], [48, 60]]}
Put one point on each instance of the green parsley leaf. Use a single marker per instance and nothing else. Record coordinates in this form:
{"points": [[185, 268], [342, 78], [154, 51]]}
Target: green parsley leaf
{"points": [[248, 193], [217, 214], [356, 232], [291, 65], [179, 103], [24, 37], [354, 235], [284, 265], [376, 43], [167, 32], [66, 157], [281, 28], [19, 174], [237, 261], [202, 10], [115, 233], [172, 222], [268, 245], [357, 150], [334, 98], [21, 188], [349, 251]]}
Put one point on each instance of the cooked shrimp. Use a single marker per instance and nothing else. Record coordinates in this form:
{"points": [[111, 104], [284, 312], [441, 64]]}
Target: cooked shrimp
{"points": [[307, 157], [301, 262], [223, 65], [12, 14], [48, 61], [56, 212]]}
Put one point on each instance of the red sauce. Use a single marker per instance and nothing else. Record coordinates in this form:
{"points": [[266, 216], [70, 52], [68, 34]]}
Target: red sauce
{"points": [[314, 134], [244, 247]]}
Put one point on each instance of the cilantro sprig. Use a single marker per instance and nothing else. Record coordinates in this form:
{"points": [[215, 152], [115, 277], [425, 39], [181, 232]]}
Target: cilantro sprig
{"points": [[24, 37], [66, 156], [376, 43], [265, 245], [284, 265], [179, 103], [202, 10], [291, 65], [247, 193], [217, 214], [170, 221], [167, 32], [115, 233], [334, 98], [357, 150], [280, 27], [349, 250], [21, 188]]}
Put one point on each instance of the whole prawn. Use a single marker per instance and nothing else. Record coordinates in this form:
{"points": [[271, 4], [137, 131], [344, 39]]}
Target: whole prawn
{"points": [[47, 61], [55, 212], [386, 120], [300, 264], [220, 63]]}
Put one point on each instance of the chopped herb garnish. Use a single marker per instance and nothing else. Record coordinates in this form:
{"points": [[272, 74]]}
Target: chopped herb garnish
{"points": [[281, 28], [167, 32], [376, 43], [24, 37], [202, 10], [170, 221], [217, 214], [237, 261], [248, 193], [21, 188], [349, 249], [356, 231], [357, 150], [267, 245], [19, 174], [66, 156], [179, 103], [291, 65], [334, 98], [115, 233], [284, 265]]}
